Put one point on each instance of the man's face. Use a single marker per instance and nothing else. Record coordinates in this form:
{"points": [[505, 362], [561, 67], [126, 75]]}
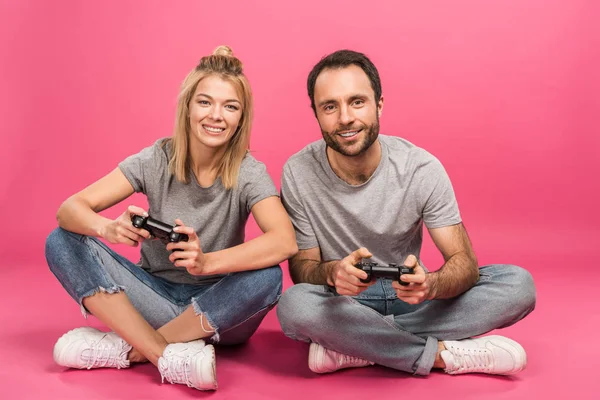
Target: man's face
{"points": [[346, 110]]}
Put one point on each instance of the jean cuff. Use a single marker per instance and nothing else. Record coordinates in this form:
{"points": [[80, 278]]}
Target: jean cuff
{"points": [[427, 359]]}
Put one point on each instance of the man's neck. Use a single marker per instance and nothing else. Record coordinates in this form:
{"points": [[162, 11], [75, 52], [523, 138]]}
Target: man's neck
{"points": [[358, 169]]}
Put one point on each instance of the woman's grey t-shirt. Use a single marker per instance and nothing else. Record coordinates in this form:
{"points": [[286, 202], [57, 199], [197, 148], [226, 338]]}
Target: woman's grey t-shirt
{"points": [[385, 214], [218, 215]]}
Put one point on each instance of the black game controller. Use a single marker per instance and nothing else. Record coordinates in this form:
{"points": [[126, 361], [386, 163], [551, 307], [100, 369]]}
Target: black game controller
{"points": [[392, 271], [158, 229]]}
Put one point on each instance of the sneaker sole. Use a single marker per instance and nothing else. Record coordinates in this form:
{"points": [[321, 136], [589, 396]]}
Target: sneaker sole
{"points": [[212, 377]]}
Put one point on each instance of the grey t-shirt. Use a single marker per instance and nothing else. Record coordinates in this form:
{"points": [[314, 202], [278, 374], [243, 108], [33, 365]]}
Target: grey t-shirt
{"points": [[384, 214], [218, 215]]}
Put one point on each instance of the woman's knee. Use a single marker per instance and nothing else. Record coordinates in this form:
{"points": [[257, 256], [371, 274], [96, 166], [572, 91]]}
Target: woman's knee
{"points": [[265, 284], [55, 241], [273, 278], [58, 246]]}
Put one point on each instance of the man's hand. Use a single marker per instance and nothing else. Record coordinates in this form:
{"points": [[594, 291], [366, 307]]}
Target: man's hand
{"points": [[346, 277], [417, 290]]}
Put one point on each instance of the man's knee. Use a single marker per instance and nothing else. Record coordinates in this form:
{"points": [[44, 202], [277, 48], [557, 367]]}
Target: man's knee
{"points": [[297, 309], [516, 289], [524, 292]]}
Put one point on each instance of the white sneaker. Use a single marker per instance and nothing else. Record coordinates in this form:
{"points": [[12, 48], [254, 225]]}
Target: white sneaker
{"points": [[191, 363], [90, 348], [487, 354], [322, 360]]}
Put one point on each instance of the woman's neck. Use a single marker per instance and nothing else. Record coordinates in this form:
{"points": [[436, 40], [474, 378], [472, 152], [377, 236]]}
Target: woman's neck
{"points": [[205, 162]]}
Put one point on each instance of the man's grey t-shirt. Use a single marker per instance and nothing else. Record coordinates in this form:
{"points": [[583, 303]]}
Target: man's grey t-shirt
{"points": [[385, 214], [218, 215]]}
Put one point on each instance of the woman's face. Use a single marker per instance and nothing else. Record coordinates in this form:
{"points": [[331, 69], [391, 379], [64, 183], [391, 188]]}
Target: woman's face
{"points": [[215, 112]]}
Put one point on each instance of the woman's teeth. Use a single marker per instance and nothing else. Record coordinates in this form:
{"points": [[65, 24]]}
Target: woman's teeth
{"points": [[214, 130]]}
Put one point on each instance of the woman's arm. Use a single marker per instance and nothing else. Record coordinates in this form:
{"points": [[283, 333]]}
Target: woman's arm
{"points": [[276, 244], [79, 213]]}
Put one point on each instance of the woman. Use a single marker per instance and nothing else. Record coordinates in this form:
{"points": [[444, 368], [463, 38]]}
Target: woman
{"points": [[212, 286]]}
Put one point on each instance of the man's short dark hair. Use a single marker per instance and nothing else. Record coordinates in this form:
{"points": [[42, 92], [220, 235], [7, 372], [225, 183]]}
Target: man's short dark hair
{"points": [[342, 59]]}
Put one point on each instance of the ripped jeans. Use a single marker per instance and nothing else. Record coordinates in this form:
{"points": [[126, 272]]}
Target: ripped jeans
{"points": [[234, 306]]}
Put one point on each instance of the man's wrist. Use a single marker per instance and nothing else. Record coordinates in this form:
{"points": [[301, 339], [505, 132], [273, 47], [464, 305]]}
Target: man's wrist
{"points": [[432, 282], [330, 272]]}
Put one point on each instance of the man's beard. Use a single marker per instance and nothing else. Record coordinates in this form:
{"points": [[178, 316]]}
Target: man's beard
{"points": [[372, 131]]}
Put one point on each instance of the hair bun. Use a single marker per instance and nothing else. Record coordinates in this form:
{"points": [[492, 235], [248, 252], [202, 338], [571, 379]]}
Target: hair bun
{"points": [[221, 61], [223, 51]]}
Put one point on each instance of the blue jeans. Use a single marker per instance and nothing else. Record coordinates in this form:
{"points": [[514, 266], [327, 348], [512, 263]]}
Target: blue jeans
{"points": [[234, 306], [378, 327]]}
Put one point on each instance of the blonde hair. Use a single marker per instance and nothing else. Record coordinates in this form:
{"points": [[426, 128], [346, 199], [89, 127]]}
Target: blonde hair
{"points": [[223, 64]]}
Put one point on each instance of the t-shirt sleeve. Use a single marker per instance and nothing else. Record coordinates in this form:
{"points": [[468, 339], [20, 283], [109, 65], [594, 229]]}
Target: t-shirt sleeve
{"points": [[440, 207], [256, 183], [142, 168], [290, 197]]}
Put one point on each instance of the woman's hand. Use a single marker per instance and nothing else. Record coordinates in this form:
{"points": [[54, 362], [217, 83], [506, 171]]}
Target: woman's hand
{"points": [[188, 254], [121, 230]]}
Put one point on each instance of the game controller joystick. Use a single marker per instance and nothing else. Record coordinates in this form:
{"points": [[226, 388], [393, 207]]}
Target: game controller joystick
{"points": [[391, 271], [158, 229]]}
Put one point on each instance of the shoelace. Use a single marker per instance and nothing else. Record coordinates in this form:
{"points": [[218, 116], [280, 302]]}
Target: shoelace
{"points": [[177, 370], [345, 359], [471, 359], [103, 354]]}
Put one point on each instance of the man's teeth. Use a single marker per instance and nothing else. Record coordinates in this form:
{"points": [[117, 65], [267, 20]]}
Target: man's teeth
{"points": [[348, 134], [214, 130]]}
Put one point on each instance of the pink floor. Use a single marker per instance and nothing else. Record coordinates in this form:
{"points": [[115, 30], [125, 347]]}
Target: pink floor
{"points": [[560, 337]]}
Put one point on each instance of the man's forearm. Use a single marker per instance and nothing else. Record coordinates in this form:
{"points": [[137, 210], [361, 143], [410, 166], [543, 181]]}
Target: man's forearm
{"points": [[311, 271], [459, 274]]}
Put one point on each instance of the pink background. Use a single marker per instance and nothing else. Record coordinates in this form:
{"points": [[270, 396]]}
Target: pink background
{"points": [[504, 93]]}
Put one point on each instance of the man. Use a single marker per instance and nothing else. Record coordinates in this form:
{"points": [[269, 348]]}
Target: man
{"points": [[360, 195]]}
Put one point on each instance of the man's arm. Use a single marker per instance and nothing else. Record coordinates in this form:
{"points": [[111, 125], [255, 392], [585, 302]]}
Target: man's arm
{"points": [[460, 271], [306, 267]]}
